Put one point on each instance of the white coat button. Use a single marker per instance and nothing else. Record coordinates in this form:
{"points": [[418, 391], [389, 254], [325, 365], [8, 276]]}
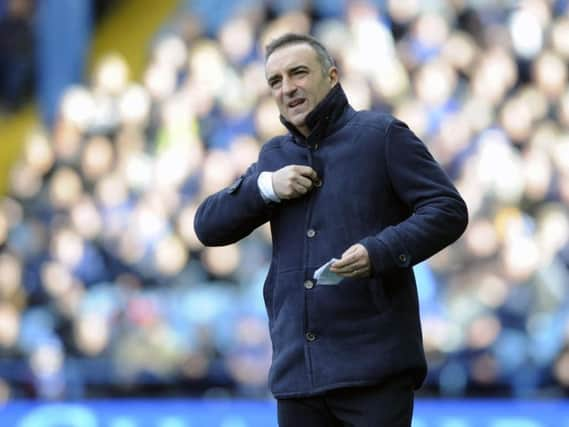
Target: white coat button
{"points": [[402, 258], [308, 284], [310, 336], [311, 233]]}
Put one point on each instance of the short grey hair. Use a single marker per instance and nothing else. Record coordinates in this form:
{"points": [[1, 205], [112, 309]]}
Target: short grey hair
{"points": [[324, 57]]}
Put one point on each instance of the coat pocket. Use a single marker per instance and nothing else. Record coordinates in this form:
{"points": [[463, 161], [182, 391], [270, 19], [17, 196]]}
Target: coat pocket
{"points": [[268, 290]]}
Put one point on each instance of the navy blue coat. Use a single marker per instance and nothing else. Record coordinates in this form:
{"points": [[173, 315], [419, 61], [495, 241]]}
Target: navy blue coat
{"points": [[380, 187]]}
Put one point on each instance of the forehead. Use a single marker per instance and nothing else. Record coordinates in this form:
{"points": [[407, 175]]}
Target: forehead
{"points": [[290, 56]]}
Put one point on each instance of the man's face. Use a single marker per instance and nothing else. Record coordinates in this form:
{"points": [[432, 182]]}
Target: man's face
{"points": [[298, 82]]}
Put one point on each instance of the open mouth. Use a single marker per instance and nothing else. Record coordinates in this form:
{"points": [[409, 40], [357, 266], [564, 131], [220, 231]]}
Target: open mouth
{"points": [[296, 102]]}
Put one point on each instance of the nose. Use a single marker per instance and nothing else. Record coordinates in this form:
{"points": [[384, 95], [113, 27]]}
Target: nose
{"points": [[288, 87]]}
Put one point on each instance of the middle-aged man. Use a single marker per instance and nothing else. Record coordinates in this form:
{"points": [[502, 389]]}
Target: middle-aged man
{"points": [[353, 185]]}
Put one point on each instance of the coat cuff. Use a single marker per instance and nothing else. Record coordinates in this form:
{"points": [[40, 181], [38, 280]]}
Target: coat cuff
{"points": [[257, 201], [386, 256]]}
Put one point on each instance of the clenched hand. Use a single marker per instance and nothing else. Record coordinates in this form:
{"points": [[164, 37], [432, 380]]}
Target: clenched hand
{"points": [[354, 262], [293, 181]]}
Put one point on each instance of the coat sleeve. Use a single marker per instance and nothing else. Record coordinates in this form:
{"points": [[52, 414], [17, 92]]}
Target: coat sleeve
{"points": [[232, 213], [439, 215]]}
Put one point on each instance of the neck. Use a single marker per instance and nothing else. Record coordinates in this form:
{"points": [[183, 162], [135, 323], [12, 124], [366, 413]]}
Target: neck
{"points": [[322, 118], [304, 130]]}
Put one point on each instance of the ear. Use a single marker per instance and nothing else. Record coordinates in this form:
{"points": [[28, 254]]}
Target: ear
{"points": [[333, 75]]}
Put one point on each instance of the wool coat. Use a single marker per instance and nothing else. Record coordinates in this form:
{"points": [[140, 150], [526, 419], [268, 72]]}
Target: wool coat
{"points": [[379, 186]]}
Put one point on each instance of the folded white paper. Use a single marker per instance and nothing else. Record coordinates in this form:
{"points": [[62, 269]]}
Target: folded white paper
{"points": [[324, 276]]}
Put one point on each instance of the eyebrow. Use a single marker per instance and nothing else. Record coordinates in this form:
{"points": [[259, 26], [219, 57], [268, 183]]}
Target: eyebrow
{"points": [[290, 70], [272, 78], [297, 68]]}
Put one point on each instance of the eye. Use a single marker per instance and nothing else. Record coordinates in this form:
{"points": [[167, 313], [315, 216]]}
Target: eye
{"points": [[274, 84]]}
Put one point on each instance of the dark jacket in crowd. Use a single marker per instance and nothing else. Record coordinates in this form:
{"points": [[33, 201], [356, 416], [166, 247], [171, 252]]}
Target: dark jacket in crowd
{"points": [[380, 187]]}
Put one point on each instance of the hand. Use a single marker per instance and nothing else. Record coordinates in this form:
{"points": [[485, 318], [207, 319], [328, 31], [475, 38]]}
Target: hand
{"points": [[293, 181], [354, 262]]}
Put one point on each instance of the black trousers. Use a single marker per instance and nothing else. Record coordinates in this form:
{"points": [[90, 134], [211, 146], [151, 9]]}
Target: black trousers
{"points": [[386, 405]]}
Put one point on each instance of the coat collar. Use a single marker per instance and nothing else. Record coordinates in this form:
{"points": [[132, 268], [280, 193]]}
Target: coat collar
{"points": [[328, 116]]}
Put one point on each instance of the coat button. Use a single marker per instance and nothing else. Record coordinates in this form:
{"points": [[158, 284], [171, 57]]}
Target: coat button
{"points": [[311, 233], [402, 258], [310, 336], [308, 284], [318, 183]]}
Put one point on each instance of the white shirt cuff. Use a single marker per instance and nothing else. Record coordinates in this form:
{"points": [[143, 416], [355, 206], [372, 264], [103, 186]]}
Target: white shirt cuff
{"points": [[265, 184]]}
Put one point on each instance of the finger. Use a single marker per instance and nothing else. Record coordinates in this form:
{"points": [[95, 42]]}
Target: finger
{"points": [[350, 269], [351, 263], [307, 171], [361, 271], [345, 268], [348, 257], [355, 272], [299, 188], [355, 253], [347, 271], [344, 273], [343, 262], [305, 182], [349, 251], [361, 274]]}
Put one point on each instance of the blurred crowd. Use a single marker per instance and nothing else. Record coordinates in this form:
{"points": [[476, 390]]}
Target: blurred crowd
{"points": [[42, 49], [105, 289], [16, 53]]}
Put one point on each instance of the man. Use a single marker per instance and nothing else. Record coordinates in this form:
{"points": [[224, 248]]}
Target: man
{"points": [[358, 186]]}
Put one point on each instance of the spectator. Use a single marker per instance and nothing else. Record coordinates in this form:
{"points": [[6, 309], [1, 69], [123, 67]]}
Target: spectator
{"points": [[16, 54]]}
